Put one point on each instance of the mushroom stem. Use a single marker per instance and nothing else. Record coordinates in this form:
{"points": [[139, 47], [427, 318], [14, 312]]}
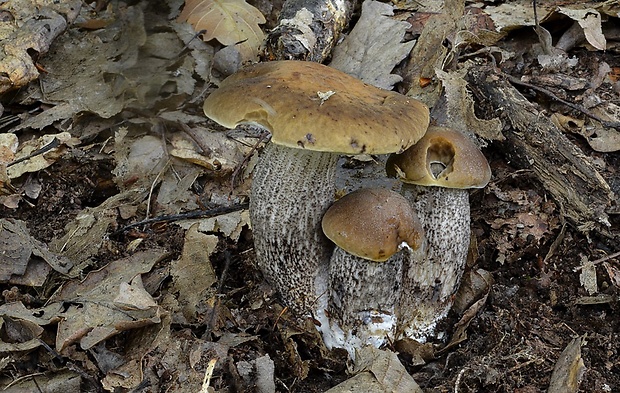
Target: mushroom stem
{"points": [[363, 296], [431, 274], [291, 190]]}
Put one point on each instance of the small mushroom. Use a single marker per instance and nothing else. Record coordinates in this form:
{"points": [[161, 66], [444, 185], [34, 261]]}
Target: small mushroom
{"points": [[313, 113], [436, 172], [369, 227]]}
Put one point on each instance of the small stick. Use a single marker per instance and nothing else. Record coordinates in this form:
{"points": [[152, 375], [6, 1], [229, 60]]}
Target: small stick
{"points": [[603, 259], [218, 211], [53, 144], [606, 123], [235, 174]]}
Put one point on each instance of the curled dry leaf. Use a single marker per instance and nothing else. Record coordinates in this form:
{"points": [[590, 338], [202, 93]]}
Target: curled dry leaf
{"points": [[590, 20], [232, 22], [387, 370]]}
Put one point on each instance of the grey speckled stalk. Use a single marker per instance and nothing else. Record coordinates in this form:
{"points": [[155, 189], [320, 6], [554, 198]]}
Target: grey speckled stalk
{"points": [[432, 274], [291, 190], [363, 297]]}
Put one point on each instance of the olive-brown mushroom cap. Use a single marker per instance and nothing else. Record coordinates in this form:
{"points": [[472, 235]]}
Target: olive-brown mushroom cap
{"points": [[444, 158], [312, 106], [373, 223]]}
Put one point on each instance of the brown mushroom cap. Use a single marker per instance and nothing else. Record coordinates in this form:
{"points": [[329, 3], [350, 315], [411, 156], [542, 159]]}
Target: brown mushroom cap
{"points": [[444, 158], [372, 223], [312, 106]]}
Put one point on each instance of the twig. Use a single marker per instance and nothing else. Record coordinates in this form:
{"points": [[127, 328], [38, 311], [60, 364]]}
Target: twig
{"points": [[190, 132], [606, 123], [210, 319], [53, 144], [152, 188], [457, 383], [71, 365], [235, 174], [600, 260], [206, 381], [218, 211]]}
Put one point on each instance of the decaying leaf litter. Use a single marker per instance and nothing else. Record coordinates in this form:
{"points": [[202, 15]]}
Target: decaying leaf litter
{"points": [[104, 128]]}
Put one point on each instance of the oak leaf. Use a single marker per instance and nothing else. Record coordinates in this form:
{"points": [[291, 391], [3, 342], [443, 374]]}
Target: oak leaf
{"points": [[231, 22]]}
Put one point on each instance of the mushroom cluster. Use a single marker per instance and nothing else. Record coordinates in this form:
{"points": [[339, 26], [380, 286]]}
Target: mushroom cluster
{"points": [[381, 278], [314, 113]]}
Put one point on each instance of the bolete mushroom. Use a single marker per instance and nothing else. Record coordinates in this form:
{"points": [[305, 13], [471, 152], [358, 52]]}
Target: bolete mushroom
{"points": [[313, 113], [436, 172], [369, 227]]}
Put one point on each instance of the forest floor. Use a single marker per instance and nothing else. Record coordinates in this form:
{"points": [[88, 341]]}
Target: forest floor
{"points": [[94, 298]]}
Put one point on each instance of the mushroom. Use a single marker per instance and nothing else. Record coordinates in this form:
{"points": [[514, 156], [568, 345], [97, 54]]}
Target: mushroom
{"points": [[313, 113], [436, 172], [369, 227]]}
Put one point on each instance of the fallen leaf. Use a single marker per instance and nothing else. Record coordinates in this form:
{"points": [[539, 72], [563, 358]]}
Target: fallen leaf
{"points": [[16, 250], [516, 14], [613, 272], [569, 369], [475, 284], [193, 275], [605, 140], [39, 25], [374, 46], [59, 381], [232, 22], [35, 162], [230, 225], [362, 382], [130, 373], [84, 236], [19, 335], [90, 311], [460, 107], [386, 368], [587, 277], [590, 20], [460, 329]]}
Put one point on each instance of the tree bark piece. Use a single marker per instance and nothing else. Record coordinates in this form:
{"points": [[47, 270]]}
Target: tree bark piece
{"points": [[307, 29], [534, 142]]}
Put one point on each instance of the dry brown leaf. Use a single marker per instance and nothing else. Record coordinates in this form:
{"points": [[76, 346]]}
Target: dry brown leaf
{"points": [[386, 368], [101, 306], [87, 232], [569, 369], [89, 311], [590, 21], [460, 112], [40, 161], [374, 46], [59, 381], [232, 22], [16, 250], [193, 275], [36, 25]]}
